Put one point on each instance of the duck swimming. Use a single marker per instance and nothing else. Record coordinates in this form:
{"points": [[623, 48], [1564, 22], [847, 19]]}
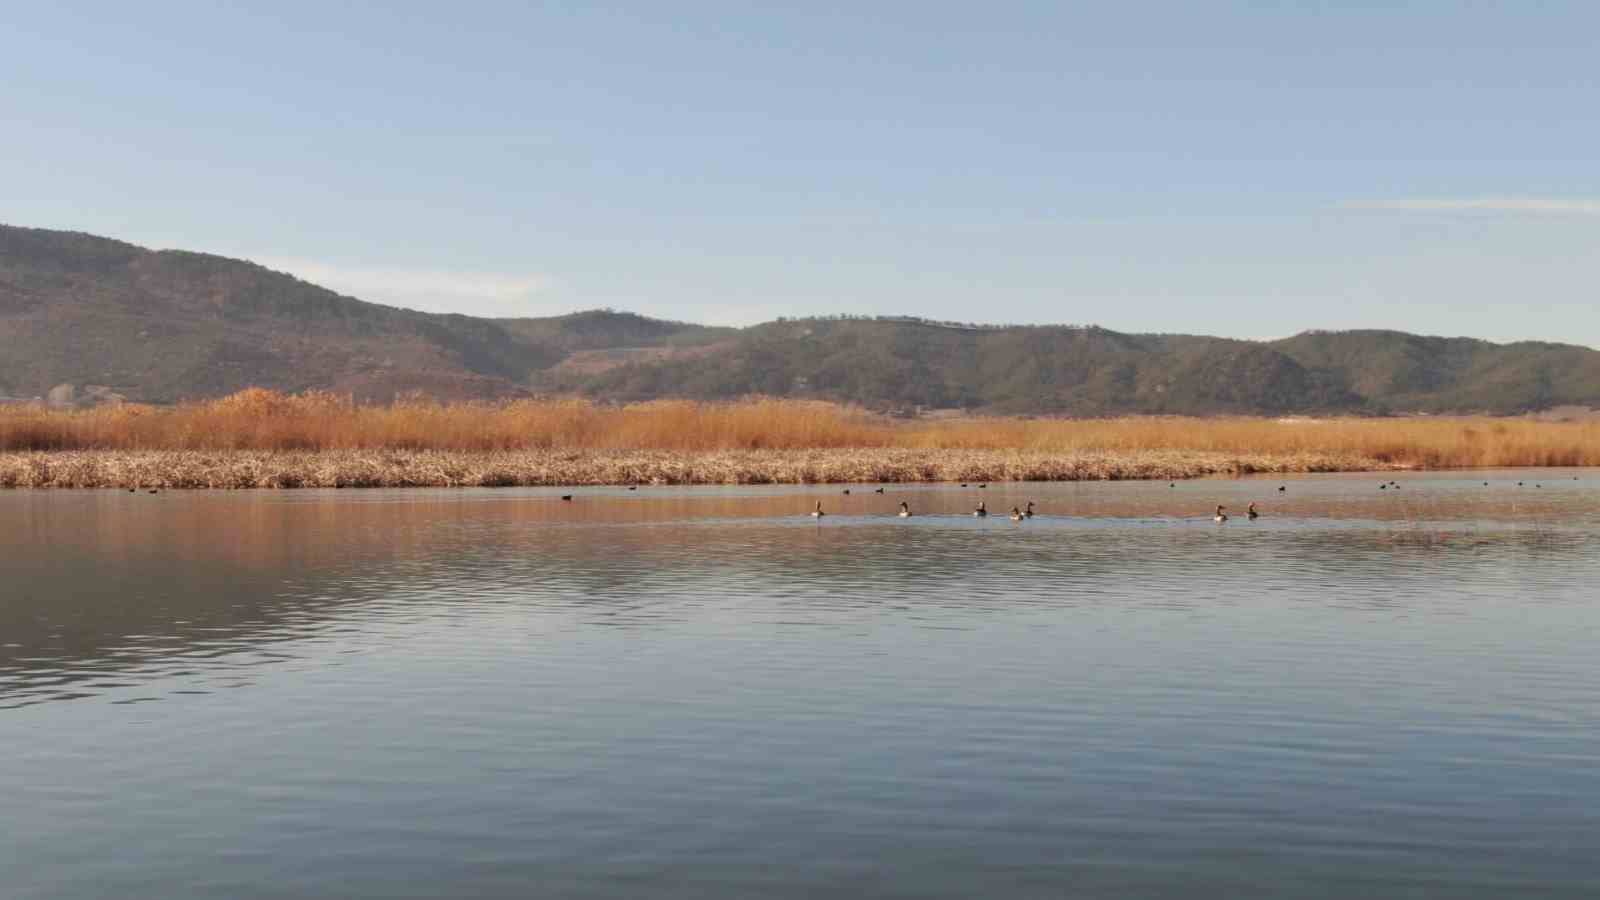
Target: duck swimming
{"points": [[1250, 512], [1016, 514], [818, 513], [1221, 516], [1028, 512], [905, 510], [981, 511]]}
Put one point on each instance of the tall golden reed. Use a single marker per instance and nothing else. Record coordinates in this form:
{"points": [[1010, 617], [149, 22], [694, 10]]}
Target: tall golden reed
{"points": [[264, 420]]}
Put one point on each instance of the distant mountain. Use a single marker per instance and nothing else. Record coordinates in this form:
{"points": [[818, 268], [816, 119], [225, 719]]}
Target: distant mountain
{"points": [[95, 318], [1056, 369], [1094, 371], [161, 326]]}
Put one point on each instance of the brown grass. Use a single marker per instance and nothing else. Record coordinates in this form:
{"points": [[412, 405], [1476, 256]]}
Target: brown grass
{"points": [[507, 468], [260, 438]]}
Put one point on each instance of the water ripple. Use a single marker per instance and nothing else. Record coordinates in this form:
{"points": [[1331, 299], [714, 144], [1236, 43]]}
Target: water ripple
{"points": [[703, 692]]}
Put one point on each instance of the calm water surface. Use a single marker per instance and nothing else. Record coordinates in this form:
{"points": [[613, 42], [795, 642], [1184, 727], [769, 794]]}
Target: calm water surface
{"points": [[705, 693]]}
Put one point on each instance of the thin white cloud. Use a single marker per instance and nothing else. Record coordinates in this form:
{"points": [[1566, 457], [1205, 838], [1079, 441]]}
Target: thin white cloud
{"points": [[1504, 204], [431, 290]]}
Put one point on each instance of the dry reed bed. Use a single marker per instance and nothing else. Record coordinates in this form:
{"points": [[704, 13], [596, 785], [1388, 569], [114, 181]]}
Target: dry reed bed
{"points": [[260, 438], [449, 468]]}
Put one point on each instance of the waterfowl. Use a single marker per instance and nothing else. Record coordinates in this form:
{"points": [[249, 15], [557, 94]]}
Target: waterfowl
{"points": [[1383, 487], [1221, 516], [1282, 488], [846, 491], [963, 484], [1028, 513], [905, 510], [984, 485], [566, 497], [154, 491], [981, 511], [633, 487], [1250, 512], [878, 491], [1016, 514], [818, 513]]}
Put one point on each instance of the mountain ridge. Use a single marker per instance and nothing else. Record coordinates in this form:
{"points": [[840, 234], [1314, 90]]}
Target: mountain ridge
{"points": [[120, 321]]}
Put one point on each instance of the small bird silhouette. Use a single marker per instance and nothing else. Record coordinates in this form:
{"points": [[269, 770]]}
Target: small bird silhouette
{"points": [[905, 510], [818, 513], [845, 491], [1251, 512], [981, 511], [633, 487], [878, 491], [1221, 516], [567, 497], [1282, 488]]}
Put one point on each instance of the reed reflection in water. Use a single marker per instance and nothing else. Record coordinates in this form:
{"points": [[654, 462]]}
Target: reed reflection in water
{"points": [[704, 692]]}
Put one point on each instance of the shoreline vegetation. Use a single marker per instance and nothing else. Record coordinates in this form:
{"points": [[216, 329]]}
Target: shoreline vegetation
{"points": [[234, 469], [264, 439]]}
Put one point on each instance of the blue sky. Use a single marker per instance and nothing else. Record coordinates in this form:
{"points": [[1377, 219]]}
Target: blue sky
{"points": [[1247, 169]]}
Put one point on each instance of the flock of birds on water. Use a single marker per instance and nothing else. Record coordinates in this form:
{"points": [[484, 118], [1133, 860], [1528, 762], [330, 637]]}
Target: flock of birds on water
{"points": [[1019, 514], [982, 510]]}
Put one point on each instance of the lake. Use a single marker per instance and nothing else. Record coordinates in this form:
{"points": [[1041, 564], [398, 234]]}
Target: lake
{"points": [[703, 692]]}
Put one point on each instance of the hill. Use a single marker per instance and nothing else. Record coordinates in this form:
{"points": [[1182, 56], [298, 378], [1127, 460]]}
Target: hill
{"points": [[97, 318], [160, 326], [903, 363]]}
